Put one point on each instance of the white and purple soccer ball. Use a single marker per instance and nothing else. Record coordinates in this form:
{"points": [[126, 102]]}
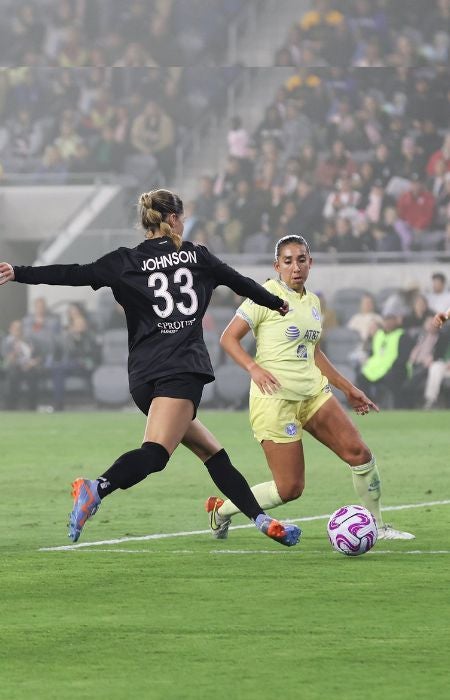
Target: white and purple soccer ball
{"points": [[352, 530]]}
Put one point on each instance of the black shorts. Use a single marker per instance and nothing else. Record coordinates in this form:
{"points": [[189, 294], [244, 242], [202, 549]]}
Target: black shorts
{"points": [[178, 386]]}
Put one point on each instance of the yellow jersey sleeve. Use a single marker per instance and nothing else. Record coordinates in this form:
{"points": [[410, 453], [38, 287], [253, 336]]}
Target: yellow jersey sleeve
{"points": [[252, 313]]}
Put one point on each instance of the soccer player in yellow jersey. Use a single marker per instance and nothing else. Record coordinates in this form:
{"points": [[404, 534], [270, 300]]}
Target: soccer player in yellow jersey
{"points": [[290, 392]]}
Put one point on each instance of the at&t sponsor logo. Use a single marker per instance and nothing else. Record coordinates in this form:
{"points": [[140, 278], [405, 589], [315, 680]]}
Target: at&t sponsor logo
{"points": [[292, 332]]}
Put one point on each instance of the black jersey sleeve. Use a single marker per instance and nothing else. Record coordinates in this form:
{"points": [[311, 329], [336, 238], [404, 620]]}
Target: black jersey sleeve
{"points": [[104, 272], [244, 286]]}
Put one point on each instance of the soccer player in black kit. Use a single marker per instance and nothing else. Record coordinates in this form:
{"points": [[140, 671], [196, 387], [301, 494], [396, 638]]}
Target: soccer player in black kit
{"points": [[164, 286]]}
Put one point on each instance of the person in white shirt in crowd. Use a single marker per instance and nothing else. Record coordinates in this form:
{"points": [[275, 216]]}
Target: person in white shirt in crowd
{"points": [[439, 297]]}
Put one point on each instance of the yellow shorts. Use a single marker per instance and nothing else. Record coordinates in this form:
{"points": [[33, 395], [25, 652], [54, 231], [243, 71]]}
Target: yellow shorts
{"points": [[281, 420]]}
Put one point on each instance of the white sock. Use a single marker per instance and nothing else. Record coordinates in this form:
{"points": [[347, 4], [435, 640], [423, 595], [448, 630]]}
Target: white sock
{"points": [[266, 494], [367, 484]]}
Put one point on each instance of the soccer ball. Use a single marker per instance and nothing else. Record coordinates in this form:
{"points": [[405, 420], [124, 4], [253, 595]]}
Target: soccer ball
{"points": [[352, 530]]}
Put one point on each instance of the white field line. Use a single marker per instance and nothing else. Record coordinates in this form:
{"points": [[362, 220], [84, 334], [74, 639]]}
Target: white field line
{"points": [[162, 536], [285, 552]]}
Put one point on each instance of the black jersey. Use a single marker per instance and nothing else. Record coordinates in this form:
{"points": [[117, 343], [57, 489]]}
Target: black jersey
{"points": [[165, 293]]}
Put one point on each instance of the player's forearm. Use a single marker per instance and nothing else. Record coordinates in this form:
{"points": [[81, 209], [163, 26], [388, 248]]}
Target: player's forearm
{"points": [[66, 275], [247, 287], [334, 377], [234, 349]]}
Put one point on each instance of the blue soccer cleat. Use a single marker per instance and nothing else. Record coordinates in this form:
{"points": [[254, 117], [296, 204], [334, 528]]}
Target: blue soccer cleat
{"points": [[86, 503], [288, 535]]}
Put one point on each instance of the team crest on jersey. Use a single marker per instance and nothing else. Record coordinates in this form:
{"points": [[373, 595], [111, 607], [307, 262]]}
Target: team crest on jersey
{"points": [[302, 352], [315, 313], [292, 332], [290, 429]]}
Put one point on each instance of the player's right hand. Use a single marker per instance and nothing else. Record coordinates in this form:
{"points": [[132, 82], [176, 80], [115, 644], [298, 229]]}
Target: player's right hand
{"points": [[264, 380], [6, 273], [440, 319]]}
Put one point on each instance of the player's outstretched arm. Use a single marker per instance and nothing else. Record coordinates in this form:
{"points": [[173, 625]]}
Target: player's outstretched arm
{"points": [[6, 273], [356, 398], [440, 319], [101, 273]]}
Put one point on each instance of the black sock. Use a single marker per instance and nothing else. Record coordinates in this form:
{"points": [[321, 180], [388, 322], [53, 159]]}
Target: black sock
{"points": [[132, 467], [232, 484]]}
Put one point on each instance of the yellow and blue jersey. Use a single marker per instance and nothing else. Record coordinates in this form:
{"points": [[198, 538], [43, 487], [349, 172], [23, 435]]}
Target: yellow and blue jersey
{"points": [[285, 345]]}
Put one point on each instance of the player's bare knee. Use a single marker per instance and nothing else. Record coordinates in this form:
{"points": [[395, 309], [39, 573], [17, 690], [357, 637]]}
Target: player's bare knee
{"points": [[290, 491], [356, 454]]}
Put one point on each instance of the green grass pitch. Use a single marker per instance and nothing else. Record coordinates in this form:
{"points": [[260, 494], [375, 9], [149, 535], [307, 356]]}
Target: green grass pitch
{"points": [[188, 617]]}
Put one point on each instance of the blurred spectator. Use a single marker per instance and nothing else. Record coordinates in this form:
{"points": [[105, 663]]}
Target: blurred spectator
{"points": [[383, 374], [396, 225], [226, 183], [309, 206], [52, 163], [107, 154], [443, 154], [420, 360], [225, 228], [337, 164], [296, 130], [438, 370], [410, 162], [237, 139], [345, 241], [271, 127], [416, 207], [343, 200], [415, 320], [377, 201], [442, 215], [42, 325], [246, 209], [386, 239], [206, 200], [308, 160], [428, 141], [22, 362], [400, 303], [152, 133], [439, 297], [363, 320], [383, 164], [77, 354]]}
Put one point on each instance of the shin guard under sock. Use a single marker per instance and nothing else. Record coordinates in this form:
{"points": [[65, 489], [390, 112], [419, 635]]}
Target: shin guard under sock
{"points": [[132, 467]]}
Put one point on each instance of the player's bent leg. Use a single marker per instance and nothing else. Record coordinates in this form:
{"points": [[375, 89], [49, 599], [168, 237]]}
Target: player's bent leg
{"points": [[286, 461], [199, 440], [331, 425], [231, 482], [204, 445], [168, 421]]}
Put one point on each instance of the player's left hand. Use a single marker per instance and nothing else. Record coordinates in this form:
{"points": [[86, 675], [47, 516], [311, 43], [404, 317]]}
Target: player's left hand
{"points": [[360, 403], [6, 273]]}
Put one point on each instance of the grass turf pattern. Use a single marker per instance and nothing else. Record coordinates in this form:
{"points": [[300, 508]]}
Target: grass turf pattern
{"points": [[177, 619]]}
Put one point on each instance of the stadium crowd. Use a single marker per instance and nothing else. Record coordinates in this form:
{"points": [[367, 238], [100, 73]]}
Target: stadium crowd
{"points": [[386, 341], [354, 152], [77, 33], [106, 87]]}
